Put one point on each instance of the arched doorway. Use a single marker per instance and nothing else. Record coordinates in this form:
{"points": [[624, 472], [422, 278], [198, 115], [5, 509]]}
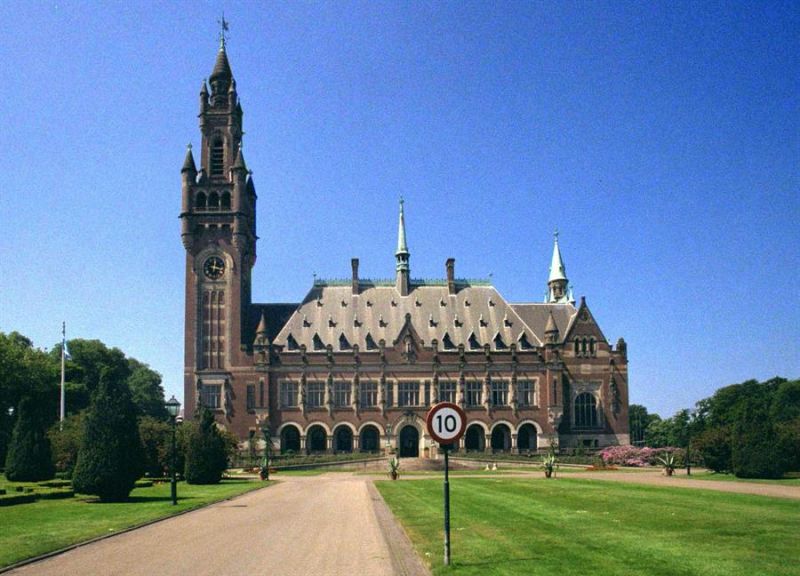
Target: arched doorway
{"points": [[501, 438], [409, 442], [474, 440], [290, 439], [527, 438], [370, 438], [343, 439], [316, 439]]}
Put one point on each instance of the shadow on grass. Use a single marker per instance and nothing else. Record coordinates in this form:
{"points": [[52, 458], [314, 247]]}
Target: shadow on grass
{"points": [[496, 563]]}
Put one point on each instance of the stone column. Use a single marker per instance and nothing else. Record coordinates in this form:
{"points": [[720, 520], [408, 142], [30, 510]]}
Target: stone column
{"points": [[487, 446]]}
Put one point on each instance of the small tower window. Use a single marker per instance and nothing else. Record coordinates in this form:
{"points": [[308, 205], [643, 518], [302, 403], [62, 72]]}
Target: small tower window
{"points": [[217, 158], [225, 201], [200, 201], [213, 201]]}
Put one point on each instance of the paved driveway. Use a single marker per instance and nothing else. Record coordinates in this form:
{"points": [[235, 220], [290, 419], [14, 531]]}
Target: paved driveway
{"points": [[318, 526]]}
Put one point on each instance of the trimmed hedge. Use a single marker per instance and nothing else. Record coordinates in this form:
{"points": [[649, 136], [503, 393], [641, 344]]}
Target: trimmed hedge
{"points": [[13, 499], [54, 494], [55, 484]]}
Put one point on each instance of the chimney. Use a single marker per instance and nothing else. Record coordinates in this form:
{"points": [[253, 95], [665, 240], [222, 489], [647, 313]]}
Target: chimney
{"points": [[451, 275], [354, 264]]}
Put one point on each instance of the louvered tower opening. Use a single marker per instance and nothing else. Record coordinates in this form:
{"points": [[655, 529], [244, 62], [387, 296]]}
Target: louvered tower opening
{"points": [[217, 158]]}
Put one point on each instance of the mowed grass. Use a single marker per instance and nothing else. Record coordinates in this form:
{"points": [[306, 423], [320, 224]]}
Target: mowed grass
{"points": [[572, 526], [28, 530]]}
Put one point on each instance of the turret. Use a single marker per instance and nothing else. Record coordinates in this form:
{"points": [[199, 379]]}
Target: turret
{"points": [[551, 330], [557, 282]]}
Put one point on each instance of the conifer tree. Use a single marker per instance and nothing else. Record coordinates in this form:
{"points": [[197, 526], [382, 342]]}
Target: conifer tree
{"points": [[110, 457], [206, 456], [29, 458]]}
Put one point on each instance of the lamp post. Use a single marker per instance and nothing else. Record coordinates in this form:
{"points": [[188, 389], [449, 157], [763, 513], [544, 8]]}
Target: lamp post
{"points": [[173, 408], [267, 449]]}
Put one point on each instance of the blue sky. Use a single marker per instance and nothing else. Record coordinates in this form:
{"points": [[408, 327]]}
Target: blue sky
{"points": [[661, 139]]}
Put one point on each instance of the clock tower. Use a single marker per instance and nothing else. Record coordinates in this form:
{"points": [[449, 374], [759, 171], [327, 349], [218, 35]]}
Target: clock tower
{"points": [[218, 230]]}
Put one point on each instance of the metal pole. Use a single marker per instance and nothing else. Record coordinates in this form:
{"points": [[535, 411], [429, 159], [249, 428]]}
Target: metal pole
{"points": [[174, 480], [446, 506], [63, 404]]}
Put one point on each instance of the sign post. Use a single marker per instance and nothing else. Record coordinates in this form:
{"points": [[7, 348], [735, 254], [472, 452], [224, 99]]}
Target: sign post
{"points": [[446, 423]]}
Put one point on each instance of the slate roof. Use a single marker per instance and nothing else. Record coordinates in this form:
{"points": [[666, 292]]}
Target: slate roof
{"points": [[476, 315]]}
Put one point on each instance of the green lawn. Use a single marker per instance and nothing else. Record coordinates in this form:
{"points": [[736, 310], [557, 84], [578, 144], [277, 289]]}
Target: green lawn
{"points": [[45, 525], [572, 526]]}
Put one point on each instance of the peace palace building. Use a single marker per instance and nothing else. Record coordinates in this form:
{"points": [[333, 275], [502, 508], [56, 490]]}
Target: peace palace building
{"points": [[357, 364]]}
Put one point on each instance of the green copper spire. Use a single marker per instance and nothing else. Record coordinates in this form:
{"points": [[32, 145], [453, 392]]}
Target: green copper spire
{"points": [[557, 283]]}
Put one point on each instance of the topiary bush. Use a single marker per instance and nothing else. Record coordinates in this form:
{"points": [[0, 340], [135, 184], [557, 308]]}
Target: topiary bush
{"points": [[110, 457], [29, 458], [206, 451]]}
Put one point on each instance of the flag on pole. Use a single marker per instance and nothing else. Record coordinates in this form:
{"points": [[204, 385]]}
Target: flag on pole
{"points": [[66, 350]]}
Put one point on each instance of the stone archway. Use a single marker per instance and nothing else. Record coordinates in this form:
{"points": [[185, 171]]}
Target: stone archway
{"points": [[527, 438], [290, 439], [343, 439], [409, 442], [316, 439], [370, 439], [474, 439], [501, 438]]}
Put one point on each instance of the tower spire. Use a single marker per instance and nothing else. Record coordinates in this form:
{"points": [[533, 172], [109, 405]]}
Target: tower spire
{"points": [[557, 281], [402, 255]]}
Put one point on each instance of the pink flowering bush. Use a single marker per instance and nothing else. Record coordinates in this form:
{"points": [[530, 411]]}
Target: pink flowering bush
{"points": [[638, 457]]}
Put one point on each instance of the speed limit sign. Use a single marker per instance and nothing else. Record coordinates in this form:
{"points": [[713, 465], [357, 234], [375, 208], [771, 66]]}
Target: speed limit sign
{"points": [[446, 422]]}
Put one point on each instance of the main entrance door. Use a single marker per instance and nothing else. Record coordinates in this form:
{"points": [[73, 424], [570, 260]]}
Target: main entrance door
{"points": [[409, 442]]}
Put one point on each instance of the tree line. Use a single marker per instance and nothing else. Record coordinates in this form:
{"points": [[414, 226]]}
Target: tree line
{"points": [[751, 429], [117, 429]]}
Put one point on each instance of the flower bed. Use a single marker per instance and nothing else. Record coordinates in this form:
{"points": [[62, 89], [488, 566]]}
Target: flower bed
{"points": [[639, 457]]}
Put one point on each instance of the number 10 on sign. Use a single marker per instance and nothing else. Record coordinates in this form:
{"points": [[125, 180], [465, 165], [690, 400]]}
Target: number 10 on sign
{"points": [[446, 423]]}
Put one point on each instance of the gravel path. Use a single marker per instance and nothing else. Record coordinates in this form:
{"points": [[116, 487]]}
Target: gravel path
{"points": [[327, 525]]}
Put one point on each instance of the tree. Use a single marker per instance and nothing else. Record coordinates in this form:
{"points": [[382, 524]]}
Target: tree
{"points": [[206, 452], [714, 446], [146, 389], [639, 421], [110, 457], [24, 371], [756, 452], [65, 442], [156, 438], [29, 458]]}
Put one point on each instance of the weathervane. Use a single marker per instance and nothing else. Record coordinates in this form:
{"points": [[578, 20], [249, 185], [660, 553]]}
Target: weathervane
{"points": [[223, 24]]}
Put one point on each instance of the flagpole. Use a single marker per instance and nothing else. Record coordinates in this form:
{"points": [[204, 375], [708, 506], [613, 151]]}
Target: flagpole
{"points": [[63, 354]]}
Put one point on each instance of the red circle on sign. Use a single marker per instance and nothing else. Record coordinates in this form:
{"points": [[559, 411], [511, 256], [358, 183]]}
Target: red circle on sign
{"points": [[432, 425]]}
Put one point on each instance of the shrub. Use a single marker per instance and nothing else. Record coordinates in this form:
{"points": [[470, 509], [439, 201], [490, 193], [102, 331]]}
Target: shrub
{"points": [[29, 458], [12, 499], [206, 451], [789, 440], [109, 460], [714, 446], [638, 457]]}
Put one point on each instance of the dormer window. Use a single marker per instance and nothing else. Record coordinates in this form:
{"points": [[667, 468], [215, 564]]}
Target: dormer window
{"points": [[523, 342], [473, 342], [447, 342], [343, 343], [291, 343], [371, 343], [217, 157], [498, 343], [317, 342]]}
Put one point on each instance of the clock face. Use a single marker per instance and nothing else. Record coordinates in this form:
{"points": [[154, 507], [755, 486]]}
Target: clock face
{"points": [[214, 268]]}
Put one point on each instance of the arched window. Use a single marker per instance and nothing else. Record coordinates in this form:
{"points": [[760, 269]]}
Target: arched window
{"points": [[577, 347], [200, 201], [592, 347], [583, 346], [585, 411], [217, 157], [225, 201], [213, 201]]}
